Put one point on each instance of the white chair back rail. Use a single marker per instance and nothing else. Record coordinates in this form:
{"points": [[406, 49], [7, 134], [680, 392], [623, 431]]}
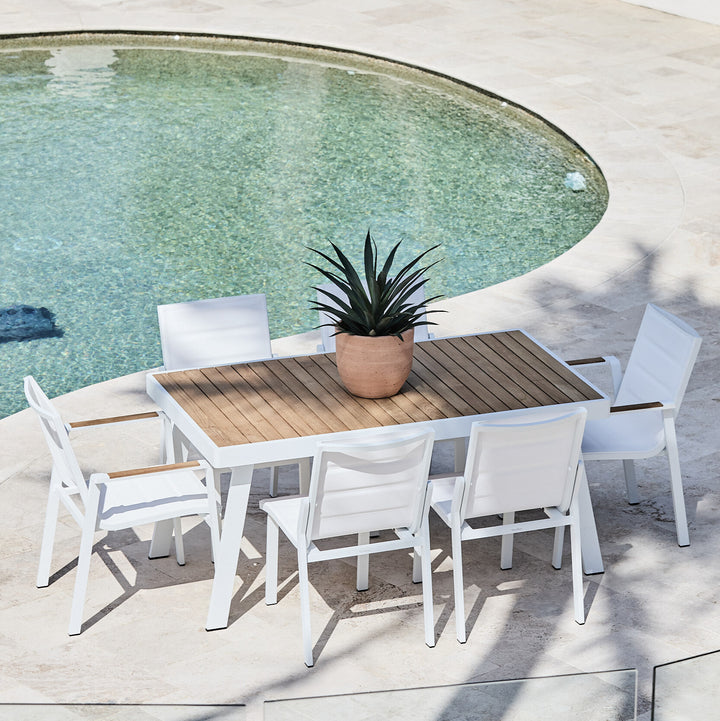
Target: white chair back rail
{"points": [[661, 360], [361, 487], [522, 466], [66, 473], [216, 331]]}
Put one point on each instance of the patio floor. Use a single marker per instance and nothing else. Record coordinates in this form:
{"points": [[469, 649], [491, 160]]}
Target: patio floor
{"points": [[638, 89]]}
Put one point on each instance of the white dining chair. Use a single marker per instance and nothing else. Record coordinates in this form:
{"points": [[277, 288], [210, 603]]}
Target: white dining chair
{"points": [[113, 501], [647, 400], [374, 484], [528, 461], [213, 332]]}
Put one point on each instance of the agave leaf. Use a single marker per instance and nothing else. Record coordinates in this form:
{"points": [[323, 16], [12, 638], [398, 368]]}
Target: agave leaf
{"points": [[381, 305]]}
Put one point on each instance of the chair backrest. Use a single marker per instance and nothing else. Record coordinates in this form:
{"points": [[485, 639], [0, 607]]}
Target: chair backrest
{"points": [[524, 463], [217, 331], [377, 483], [65, 466], [661, 360], [327, 331]]}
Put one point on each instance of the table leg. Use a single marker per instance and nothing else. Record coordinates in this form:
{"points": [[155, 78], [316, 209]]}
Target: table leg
{"points": [[591, 558], [230, 539]]}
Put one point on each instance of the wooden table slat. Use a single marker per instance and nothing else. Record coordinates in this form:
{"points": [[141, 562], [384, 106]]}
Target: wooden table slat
{"points": [[542, 390], [472, 374], [556, 370], [281, 392], [238, 422], [367, 412], [511, 374], [426, 368], [191, 399], [300, 396], [255, 392]]}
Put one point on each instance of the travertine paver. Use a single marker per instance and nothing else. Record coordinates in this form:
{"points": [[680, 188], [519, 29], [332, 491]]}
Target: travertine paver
{"points": [[639, 90]]}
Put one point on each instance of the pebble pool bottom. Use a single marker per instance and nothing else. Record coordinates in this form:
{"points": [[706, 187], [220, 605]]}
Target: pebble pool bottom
{"points": [[140, 170]]}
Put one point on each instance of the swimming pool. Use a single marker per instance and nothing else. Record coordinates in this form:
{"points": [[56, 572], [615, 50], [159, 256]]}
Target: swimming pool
{"points": [[143, 170]]}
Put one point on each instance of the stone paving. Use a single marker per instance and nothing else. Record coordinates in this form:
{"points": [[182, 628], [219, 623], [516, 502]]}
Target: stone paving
{"points": [[638, 89]]}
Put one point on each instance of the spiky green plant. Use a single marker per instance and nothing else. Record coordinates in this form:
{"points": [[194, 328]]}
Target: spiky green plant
{"points": [[383, 308]]}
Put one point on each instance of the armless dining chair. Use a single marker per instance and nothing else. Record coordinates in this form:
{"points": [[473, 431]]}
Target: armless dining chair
{"points": [[214, 332], [525, 462], [375, 484]]}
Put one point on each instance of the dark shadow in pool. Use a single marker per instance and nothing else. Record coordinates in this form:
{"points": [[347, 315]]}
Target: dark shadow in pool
{"points": [[25, 322]]}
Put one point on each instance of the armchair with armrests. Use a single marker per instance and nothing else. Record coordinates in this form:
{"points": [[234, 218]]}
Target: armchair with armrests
{"points": [[647, 400], [115, 500]]}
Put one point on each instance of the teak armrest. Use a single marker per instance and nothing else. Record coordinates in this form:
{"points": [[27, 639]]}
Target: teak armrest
{"points": [[586, 361], [155, 469], [636, 407], [114, 419]]}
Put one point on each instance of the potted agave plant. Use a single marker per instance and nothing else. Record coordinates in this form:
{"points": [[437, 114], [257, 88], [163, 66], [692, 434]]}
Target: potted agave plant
{"points": [[374, 318]]}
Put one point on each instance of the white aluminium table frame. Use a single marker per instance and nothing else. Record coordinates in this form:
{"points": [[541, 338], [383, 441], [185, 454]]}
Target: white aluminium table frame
{"points": [[241, 460]]}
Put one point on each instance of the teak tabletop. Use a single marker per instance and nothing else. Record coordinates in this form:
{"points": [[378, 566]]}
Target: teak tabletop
{"points": [[285, 398]]}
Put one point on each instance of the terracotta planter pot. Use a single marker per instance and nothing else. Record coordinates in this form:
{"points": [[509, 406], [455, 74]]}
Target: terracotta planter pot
{"points": [[374, 366]]}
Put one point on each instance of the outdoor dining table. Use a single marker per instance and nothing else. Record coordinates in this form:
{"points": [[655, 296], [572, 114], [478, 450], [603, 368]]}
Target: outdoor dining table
{"points": [[273, 411]]}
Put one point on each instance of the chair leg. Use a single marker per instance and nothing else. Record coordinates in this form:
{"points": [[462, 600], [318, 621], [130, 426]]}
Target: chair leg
{"points": [[161, 539], [428, 613], [458, 586], [305, 606], [83, 567], [271, 562], [304, 476], [676, 485], [459, 455], [274, 477], [48, 539], [631, 482], [363, 564], [558, 547], [506, 545], [577, 576], [179, 544]]}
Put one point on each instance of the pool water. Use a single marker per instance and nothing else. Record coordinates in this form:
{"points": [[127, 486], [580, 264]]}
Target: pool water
{"points": [[136, 171]]}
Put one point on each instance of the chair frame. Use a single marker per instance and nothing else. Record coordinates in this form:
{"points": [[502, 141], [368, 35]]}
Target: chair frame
{"points": [[456, 517], [83, 498], [416, 536], [668, 407]]}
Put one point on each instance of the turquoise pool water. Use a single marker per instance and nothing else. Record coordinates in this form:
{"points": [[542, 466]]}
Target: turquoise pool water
{"points": [[136, 171]]}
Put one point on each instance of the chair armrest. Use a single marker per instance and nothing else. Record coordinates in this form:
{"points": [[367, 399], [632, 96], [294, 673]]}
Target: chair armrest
{"points": [[113, 419], [585, 361], [168, 468], [612, 362], [637, 407]]}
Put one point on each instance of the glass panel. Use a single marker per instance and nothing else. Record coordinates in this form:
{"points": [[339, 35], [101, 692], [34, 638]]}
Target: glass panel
{"points": [[607, 696], [687, 690], [121, 712]]}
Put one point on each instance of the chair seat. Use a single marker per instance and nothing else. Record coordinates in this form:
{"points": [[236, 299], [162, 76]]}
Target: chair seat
{"points": [[146, 499], [443, 488], [632, 434], [284, 511]]}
